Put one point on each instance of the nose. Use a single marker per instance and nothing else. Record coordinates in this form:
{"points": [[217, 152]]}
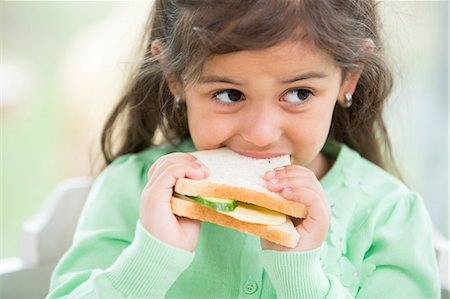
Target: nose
{"points": [[262, 126]]}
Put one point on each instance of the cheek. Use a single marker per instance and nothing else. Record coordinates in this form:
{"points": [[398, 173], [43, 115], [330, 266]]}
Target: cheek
{"points": [[309, 136], [208, 130]]}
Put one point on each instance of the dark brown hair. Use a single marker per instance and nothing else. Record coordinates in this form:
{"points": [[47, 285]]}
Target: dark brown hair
{"points": [[190, 31]]}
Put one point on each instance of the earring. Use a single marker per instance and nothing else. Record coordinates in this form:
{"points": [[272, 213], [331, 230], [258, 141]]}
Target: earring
{"points": [[348, 100], [176, 101]]}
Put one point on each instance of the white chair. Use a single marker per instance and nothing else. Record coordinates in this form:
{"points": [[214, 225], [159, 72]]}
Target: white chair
{"points": [[45, 238], [48, 234], [441, 245]]}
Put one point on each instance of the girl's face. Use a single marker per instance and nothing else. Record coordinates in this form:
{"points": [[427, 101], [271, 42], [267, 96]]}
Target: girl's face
{"points": [[265, 103]]}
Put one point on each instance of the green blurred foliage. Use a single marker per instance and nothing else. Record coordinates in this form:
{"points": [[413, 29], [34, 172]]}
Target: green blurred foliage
{"points": [[35, 34]]}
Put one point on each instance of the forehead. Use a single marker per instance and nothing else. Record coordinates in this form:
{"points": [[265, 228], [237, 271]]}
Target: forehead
{"points": [[287, 57]]}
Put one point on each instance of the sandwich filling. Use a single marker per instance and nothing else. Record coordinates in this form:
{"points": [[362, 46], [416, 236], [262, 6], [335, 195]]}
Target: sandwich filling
{"points": [[239, 210]]}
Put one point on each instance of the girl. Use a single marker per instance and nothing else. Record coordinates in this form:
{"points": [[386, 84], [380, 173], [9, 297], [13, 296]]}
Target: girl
{"points": [[263, 77]]}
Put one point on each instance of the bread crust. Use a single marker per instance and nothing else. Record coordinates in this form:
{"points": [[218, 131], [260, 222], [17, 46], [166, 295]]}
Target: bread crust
{"points": [[284, 234], [268, 200]]}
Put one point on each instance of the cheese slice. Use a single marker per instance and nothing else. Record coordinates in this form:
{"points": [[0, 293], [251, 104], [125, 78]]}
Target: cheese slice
{"points": [[255, 214], [240, 211]]}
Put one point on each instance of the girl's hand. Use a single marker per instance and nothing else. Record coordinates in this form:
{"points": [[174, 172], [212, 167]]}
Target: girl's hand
{"points": [[300, 184], [155, 210]]}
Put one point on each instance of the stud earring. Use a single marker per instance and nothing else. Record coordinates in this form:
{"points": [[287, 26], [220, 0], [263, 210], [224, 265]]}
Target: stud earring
{"points": [[348, 100], [176, 101]]}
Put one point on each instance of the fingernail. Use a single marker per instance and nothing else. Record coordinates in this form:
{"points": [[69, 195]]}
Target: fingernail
{"points": [[274, 181], [199, 162], [204, 172], [270, 174], [287, 190]]}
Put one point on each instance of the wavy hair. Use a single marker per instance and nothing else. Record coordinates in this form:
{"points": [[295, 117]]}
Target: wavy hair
{"points": [[190, 31]]}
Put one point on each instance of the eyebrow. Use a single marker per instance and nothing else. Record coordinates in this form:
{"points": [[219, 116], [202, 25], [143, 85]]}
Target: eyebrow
{"points": [[222, 79], [217, 79], [306, 76]]}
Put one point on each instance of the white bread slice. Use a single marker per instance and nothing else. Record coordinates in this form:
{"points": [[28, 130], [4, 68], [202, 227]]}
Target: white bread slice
{"points": [[239, 177], [284, 234]]}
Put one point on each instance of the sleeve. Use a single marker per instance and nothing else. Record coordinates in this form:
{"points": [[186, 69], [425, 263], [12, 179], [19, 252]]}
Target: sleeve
{"points": [[300, 275], [401, 255], [112, 255]]}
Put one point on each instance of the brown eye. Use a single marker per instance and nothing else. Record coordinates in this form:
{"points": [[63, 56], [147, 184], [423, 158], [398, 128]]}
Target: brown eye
{"points": [[297, 96], [229, 95]]}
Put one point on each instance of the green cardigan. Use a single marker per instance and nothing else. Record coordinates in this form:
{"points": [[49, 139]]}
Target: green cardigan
{"points": [[379, 245]]}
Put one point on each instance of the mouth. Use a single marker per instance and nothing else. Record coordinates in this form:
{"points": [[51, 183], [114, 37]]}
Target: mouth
{"points": [[260, 155]]}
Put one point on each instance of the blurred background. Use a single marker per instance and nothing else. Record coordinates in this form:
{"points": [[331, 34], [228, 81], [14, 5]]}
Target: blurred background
{"points": [[63, 65]]}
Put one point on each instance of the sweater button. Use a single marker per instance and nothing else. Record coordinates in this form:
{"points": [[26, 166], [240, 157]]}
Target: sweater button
{"points": [[250, 287]]}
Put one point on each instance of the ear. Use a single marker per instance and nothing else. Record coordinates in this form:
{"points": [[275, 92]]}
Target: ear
{"points": [[352, 75], [157, 49], [349, 82]]}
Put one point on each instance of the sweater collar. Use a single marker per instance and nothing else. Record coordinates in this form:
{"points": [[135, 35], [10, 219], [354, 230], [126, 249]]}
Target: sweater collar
{"points": [[345, 159]]}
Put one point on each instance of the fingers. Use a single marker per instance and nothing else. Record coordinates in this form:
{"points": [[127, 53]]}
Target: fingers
{"points": [[155, 209], [284, 179], [166, 170], [299, 184], [170, 158]]}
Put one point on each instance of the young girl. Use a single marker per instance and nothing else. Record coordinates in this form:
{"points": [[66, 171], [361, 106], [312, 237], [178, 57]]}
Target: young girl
{"points": [[264, 78]]}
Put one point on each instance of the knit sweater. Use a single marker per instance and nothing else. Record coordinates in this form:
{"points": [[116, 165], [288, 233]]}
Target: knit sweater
{"points": [[379, 245]]}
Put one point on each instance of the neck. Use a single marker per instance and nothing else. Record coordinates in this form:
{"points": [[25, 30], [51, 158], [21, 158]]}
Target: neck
{"points": [[320, 166]]}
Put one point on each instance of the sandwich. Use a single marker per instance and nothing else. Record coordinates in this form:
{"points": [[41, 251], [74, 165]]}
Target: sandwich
{"points": [[235, 195]]}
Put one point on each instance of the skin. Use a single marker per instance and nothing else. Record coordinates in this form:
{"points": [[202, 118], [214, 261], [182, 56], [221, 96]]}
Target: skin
{"points": [[260, 103]]}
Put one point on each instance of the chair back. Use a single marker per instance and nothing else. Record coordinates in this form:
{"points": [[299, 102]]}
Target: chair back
{"points": [[46, 236]]}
